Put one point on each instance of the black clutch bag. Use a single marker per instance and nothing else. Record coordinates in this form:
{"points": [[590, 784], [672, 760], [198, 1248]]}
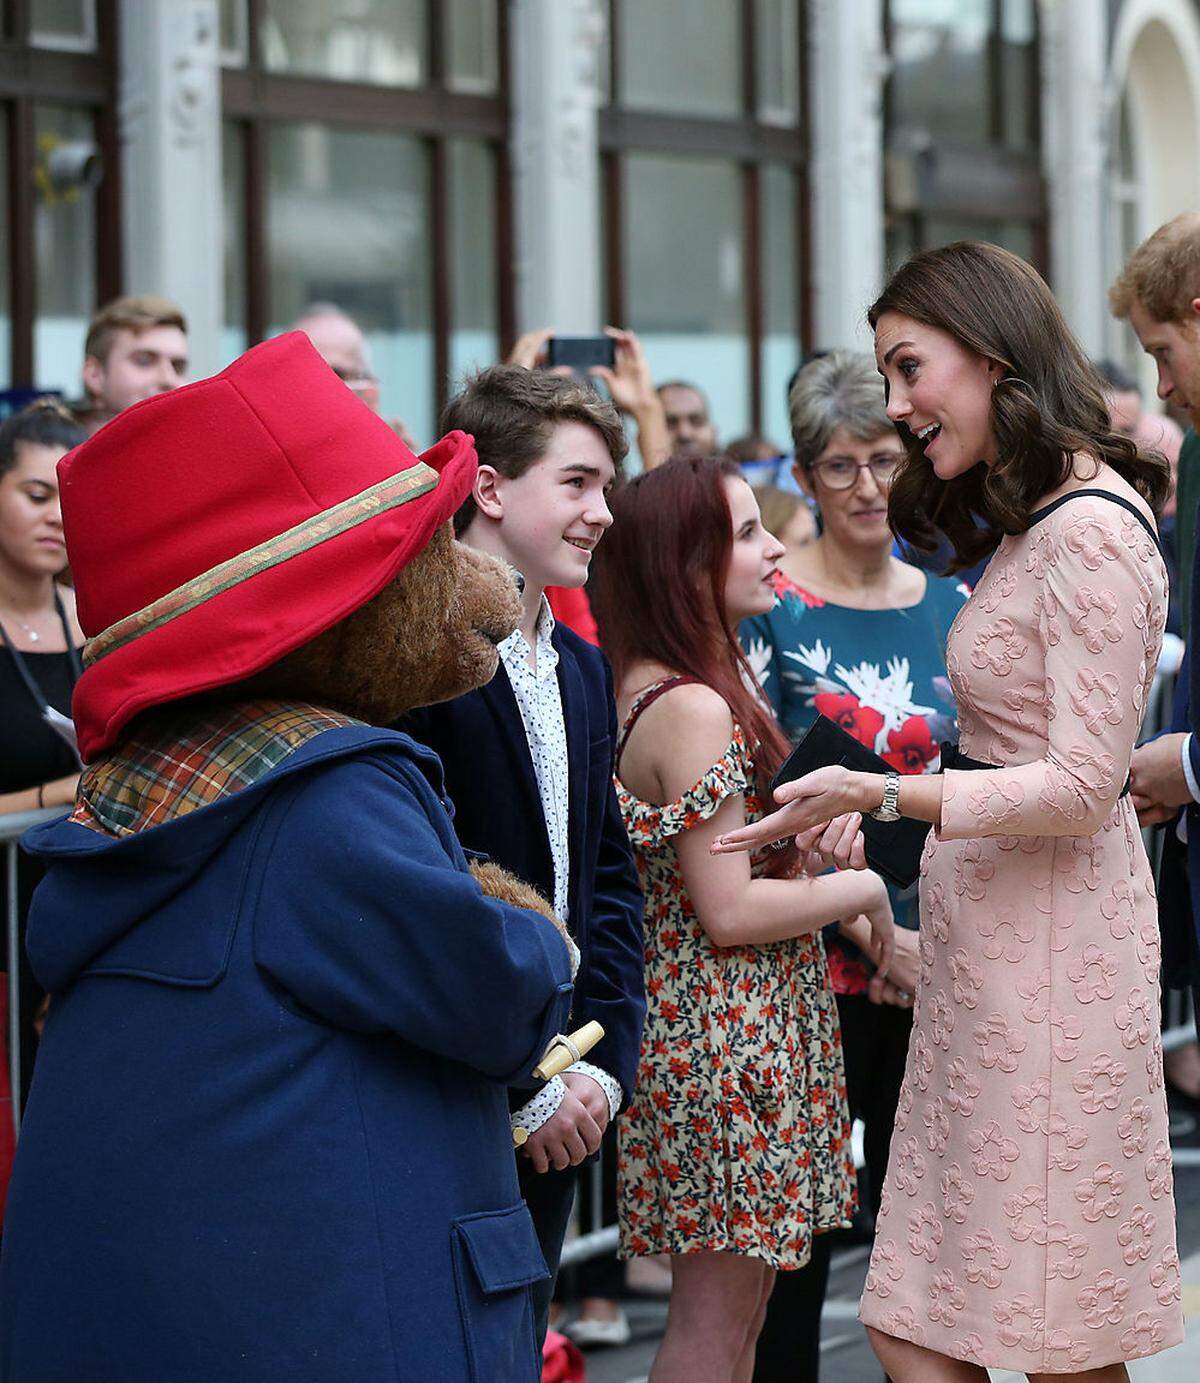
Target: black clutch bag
{"points": [[893, 848]]}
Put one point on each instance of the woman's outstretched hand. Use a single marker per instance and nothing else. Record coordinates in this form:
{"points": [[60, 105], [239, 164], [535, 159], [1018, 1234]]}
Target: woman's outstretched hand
{"points": [[814, 800]]}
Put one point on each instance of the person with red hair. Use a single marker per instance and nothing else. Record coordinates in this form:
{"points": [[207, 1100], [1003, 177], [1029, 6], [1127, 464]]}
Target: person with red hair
{"points": [[735, 1148]]}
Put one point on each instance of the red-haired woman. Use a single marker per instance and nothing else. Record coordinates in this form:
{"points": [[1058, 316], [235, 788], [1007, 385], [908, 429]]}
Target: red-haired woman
{"points": [[734, 1150]]}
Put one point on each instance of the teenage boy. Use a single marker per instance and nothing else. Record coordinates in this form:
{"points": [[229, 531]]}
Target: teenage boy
{"points": [[528, 759]]}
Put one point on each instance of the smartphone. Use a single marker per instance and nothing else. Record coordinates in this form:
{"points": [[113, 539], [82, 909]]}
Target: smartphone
{"points": [[581, 352]]}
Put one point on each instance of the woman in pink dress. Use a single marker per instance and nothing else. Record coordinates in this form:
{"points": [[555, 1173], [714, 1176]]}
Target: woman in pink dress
{"points": [[1027, 1219]]}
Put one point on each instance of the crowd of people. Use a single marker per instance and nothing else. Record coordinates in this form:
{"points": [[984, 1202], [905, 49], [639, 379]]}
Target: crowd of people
{"points": [[759, 983]]}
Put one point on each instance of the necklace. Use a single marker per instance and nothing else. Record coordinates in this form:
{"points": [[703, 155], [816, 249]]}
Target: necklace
{"points": [[30, 633]]}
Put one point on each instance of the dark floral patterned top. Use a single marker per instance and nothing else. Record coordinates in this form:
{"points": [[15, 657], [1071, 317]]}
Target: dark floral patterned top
{"points": [[736, 1137], [881, 674]]}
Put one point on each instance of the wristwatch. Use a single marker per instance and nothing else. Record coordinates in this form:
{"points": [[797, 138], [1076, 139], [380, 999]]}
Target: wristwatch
{"points": [[888, 809]]}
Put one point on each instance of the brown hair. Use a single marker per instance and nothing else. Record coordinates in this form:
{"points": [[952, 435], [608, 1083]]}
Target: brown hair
{"points": [[1163, 273], [136, 314], [1046, 407], [512, 412]]}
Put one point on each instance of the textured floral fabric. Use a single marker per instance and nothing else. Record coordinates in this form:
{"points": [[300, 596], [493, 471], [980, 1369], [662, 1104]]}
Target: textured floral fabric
{"points": [[736, 1137], [1027, 1219], [881, 675]]}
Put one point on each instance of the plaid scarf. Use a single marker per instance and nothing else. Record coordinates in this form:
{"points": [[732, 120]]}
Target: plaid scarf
{"points": [[177, 761]]}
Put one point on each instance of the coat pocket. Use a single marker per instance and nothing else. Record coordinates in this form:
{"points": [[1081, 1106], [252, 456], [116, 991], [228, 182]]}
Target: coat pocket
{"points": [[496, 1260]]}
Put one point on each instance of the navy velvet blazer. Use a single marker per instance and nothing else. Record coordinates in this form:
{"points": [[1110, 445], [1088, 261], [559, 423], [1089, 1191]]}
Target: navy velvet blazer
{"points": [[481, 742]]}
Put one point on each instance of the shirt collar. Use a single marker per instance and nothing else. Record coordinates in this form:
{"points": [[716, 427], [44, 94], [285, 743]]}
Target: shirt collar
{"points": [[514, 651]]}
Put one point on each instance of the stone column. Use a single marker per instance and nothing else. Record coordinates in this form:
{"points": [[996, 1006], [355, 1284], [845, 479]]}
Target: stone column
{"points": [[1074, 124], [170, 123], [556, 162], [848, 65]]}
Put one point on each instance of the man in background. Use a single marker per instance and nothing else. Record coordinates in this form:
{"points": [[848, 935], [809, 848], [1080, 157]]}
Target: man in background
{"points": [[1151, 431], [343, 347], [136, 347], [688, 421]]}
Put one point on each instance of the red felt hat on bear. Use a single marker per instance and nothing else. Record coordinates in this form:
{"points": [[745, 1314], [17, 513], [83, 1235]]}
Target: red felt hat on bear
{"points": [[213, 529]]}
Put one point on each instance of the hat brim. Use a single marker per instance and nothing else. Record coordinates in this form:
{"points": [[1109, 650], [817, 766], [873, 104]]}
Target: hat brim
{"points": [[255, 623]]}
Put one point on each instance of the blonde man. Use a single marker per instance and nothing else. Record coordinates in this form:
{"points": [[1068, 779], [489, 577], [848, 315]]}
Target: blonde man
{"points": [[136, 347]]}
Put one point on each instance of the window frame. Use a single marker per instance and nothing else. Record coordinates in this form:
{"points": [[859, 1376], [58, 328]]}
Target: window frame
{"points": [[746, 140], [965, 180], [255, 100], [32, 76]]}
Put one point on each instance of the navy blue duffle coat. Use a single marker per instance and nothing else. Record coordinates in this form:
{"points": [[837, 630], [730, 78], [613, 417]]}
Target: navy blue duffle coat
{"points": [[268, 1137]]}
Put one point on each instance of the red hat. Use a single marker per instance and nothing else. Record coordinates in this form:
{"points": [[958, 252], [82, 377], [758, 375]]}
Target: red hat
{"points": [[213, 529]]}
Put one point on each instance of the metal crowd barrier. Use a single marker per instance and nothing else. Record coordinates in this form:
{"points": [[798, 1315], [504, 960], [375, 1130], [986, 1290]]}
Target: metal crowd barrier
{"points": [[13, 826]]}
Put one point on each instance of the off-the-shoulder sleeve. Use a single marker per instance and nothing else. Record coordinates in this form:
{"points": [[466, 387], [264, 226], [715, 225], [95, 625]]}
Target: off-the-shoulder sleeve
{"points": [[1100, 607], [650, 825]]}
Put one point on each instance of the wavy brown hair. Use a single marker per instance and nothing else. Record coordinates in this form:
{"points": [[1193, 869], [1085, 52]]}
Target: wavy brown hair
{"points": [[1046, 407]]}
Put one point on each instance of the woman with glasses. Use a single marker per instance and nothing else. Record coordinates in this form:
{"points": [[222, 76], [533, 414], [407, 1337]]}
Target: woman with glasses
{"points": [[859, 636]]}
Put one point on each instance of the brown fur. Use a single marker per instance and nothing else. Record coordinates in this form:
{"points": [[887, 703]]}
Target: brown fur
{"points": [[497, 882], [428, 636]]}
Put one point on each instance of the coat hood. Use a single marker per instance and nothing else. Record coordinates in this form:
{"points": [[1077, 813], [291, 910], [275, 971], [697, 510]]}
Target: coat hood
{"points": [[100, 890]]}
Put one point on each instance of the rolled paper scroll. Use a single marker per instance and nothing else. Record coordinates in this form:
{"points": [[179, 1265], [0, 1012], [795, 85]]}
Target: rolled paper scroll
{"points": [[559, 1055], [565, 1051]]}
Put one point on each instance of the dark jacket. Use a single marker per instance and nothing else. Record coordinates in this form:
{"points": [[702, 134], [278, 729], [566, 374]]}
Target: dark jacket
{"points": [[1179, 865], [268, 1137], [481, 742]]}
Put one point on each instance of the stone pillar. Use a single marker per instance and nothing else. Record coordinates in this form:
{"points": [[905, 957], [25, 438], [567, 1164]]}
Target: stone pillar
{"points": [[170, 124], [1074, 126], [556, 162], [848, 66]]}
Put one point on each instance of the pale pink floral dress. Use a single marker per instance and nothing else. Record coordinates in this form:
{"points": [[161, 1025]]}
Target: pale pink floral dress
{"points": [[1028, 1220]]}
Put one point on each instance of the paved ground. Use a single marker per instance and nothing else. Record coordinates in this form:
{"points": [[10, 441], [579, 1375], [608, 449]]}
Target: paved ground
{"points": [[846, 1355]]}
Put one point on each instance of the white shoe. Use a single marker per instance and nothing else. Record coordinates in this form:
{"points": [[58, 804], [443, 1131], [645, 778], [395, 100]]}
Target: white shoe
{"points": [[590, 1331]]}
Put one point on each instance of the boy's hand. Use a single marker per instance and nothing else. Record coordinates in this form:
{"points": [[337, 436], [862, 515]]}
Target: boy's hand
{"points": [[574, 1131]]}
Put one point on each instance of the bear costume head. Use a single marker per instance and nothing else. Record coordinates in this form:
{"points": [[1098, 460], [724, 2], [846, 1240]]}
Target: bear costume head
{"points": [[274, 538]]}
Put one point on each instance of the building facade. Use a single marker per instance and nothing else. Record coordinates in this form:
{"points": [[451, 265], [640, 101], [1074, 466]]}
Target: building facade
{"points": [[730, 178]]}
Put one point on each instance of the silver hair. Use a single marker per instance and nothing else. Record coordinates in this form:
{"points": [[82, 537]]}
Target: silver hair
{"points": [[838, 390]]}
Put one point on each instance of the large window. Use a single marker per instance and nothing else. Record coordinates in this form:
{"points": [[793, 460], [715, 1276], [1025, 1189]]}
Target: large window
{"points": [[962, 124], [704, 150], [364, 166], [59, 213]]}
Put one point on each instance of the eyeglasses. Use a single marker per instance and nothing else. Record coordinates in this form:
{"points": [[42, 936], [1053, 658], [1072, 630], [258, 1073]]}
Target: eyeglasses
{"points": [[842, 474], [355, 379]]}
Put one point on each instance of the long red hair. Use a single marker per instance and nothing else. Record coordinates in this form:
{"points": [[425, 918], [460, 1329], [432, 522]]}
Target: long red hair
{"points": [[660, 592]]}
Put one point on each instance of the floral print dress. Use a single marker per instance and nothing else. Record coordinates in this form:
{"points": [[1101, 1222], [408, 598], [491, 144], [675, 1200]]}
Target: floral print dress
{"points": [[881, 676], [1027, 1219], [736, 1137]]}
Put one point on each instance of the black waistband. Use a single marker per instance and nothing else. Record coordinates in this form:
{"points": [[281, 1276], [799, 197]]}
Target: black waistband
{"points": [[953, 757]]}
